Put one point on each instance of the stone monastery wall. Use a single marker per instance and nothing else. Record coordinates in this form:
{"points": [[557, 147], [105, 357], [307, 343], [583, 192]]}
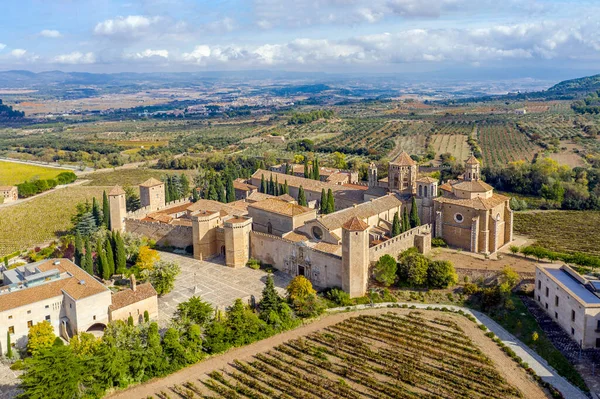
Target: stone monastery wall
{"points": [[394, 246], [163, 234], [142, 212]]}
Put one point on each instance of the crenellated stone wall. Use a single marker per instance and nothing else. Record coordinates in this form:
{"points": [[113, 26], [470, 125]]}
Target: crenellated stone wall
{"points": [[142, 212], [394, 246]]}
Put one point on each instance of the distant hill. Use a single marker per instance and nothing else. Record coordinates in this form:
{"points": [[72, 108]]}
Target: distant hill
{"points": [[575, 86]]}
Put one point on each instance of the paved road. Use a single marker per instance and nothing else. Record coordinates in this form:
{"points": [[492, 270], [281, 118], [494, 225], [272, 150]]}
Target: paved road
{"points": [[535, 361]]}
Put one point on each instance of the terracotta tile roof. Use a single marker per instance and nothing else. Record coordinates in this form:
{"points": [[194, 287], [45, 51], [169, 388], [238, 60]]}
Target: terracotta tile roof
{"points": [[355, 224], [281, 207], [159, 217], [474, 186], [295, 237], [362, 211], [472, 160], [337, 178], [69, 283], [404, 160], [151, 182], [257, 196], [427, 179], [329, 248], [446, 187], [175, 209], [117, 190], [476, 203], [128, 297], [216, 206], [243, 186], [286, 198], [356, 186]]}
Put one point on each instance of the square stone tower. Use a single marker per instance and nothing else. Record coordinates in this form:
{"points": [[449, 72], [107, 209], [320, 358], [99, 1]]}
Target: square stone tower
{"points": [[152, 194], [204, 233], [355, 257], [402, 174], [237, 241], [118, 209]]}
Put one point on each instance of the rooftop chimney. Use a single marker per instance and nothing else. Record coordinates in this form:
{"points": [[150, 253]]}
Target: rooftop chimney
{"points": [[133, 284]]}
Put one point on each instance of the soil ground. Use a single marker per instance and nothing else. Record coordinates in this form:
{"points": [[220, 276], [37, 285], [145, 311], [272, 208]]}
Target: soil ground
{"points": [[505, 366]]}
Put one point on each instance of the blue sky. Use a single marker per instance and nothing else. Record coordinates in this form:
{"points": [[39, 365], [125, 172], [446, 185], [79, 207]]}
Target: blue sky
{"points": [[305, 35]]}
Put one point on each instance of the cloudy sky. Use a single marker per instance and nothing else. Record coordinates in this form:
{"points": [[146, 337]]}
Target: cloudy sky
{"points": [[305, 35]]}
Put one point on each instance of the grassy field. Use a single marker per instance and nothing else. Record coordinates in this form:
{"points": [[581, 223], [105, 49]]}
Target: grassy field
{"points": [[42, 219], [567, 231], [12, 173], [391, 355], [455, 144]]}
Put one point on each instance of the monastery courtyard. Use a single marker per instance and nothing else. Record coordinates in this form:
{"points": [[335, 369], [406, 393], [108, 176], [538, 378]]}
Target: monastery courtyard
{"points": [[215, 283]]}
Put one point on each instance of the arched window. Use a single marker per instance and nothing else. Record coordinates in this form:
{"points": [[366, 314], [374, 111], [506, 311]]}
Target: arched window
{"points": [[269, 228], [317, 232], [421, 190], [426, 192]]}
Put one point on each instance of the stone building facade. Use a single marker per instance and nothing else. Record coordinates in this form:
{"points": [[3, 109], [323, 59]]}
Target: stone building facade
{"points": [[9, 193], [152, 194]]}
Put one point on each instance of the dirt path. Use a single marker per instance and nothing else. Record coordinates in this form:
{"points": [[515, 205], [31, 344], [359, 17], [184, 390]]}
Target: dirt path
{"points": [[505, 366]]}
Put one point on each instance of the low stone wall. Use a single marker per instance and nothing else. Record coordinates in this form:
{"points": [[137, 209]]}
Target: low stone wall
{"points": [[394, 246], [142, 212], [489, 276], [164, 234]]}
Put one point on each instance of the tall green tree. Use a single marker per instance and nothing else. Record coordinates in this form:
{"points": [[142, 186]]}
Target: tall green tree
{"points": [[396, 227], [220, 190], [105, 210], [9, 352], [97, 212], [184, 183], [263, 184], [276, 187], [330, 202], [271, 186], [230, 190], [110, 256], [316, 172], [301, 196], [414, 214], [88, 260], [120, 255], [306, 170], [212, 192], [54, 373], [286, 189], [270, 301], [78, 256], [405, 220], [324, 203]]}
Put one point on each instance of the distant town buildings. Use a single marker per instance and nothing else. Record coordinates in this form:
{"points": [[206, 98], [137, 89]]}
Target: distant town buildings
{"points": [[9, 193]]}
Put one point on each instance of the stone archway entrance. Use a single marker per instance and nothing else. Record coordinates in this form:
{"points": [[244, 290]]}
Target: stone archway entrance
{"points": [[223, 250], [97, 329]]}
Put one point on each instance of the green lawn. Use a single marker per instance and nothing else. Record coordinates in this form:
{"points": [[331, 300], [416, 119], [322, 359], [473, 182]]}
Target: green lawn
{"points": [[13, 173]]}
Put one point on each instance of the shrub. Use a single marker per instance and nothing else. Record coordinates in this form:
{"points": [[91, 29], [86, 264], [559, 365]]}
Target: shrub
{"points": [[471, 289], [163, 276], [300, 287], [438, 243], [413, 267], [514, 249], [253, 264], [338, 296], [441, 274], [385, 270]]}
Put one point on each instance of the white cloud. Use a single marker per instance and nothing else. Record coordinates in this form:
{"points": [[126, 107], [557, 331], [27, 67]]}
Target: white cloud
{"points": [[49, 33], [18, 53], [130, 26], [74, 58], [2, 46], [148, 53]]}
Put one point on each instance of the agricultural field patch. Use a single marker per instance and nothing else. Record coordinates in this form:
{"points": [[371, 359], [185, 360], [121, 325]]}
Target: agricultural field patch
{"points": [[12, 173], [128, 177], [563, 231], [455, 144], [41, 219], [503, 142], [391, 354], [569, 155]]}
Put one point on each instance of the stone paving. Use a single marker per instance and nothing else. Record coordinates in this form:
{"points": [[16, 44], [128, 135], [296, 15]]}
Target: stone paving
{"points": [[9, 382], [213, 282]]}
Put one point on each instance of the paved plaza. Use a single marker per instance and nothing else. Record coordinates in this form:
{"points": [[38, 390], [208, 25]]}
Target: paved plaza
{"points": [[214, 282], [9, 382]]}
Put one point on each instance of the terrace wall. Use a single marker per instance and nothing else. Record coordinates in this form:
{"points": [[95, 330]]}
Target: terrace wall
{"points": [[164, 234], [142, 212], [394, 246]]}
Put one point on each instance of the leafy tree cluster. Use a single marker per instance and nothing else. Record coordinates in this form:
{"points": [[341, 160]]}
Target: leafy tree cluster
{"points": [[90, 217], [416, 270], [33, 187], [559, 185], [7, 112], [307, 117], [577, 258], [590, 104], [327, 202], [273, 187], [176, 187]]}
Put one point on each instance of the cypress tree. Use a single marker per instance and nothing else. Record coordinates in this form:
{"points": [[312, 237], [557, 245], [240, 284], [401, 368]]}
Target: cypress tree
{"points": [[212, 192], [88, 260], [324, 203], [270, 301], [405, 220], [330, 202], [301, 196], [9, 352], [105, 210], [120, 255], [286, 189], [306, 173], [396, 228], [230, 190], [316, 169], [276, 187], [97, 213], [195, 196], [271, 186], [103, 267], [263, 184], [167, 190], [220, 190], [110, 257], [414, 214], [78, 249]]}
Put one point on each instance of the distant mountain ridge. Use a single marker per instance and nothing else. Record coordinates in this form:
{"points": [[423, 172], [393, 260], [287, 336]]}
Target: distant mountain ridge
{"points": [[579, 85]]}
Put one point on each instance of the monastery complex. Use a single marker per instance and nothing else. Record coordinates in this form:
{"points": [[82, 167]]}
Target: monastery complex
{"points": [[333, 250]]}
